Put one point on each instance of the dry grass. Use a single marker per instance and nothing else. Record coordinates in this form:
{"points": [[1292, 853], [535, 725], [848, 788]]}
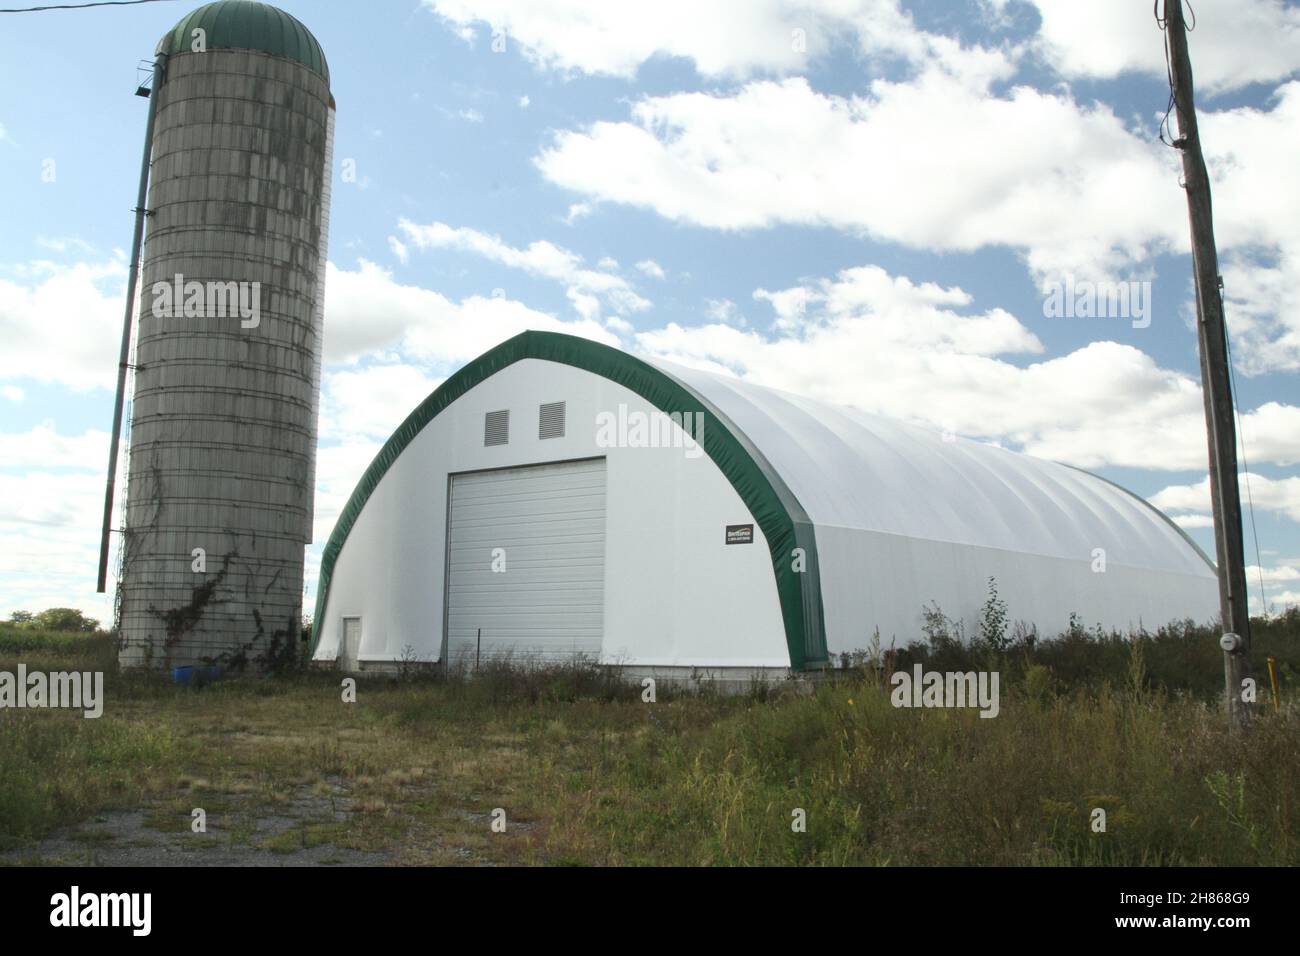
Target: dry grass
{"points": [[588, 774]]}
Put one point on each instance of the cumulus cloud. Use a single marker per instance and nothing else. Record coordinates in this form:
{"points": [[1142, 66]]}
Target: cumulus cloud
{"points": [[51, 496], [1257, 226], [722, 38], [1280, 495], [369, 403], [1238, 42], [339, 466], [936, 164], [399, 250], [919, 351], [368, 311], [1278, 584], [49, 540], [62, 324], [588, 289], [44, 447], [932, 163]]}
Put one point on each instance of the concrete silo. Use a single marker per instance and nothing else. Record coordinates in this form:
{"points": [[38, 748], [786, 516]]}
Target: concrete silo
{"points": [[228, 348]]}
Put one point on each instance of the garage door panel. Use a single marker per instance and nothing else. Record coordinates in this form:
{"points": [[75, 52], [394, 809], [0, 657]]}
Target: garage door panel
{"points": [[548, 603], [527, 535], [479, 554]]}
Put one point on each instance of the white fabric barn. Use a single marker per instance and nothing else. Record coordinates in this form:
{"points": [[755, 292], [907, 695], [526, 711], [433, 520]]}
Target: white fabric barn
{"points": [[550, 499]]}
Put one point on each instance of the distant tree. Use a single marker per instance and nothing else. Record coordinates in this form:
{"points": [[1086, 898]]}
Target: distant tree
{"points": [[20, 617], [65, 619]]}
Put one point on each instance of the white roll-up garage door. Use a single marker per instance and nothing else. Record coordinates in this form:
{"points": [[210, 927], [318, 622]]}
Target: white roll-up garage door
{"points": [[526, 563]]}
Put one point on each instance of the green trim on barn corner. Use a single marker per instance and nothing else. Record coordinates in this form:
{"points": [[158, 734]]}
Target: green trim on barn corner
{"points": [[774, 507], [247, 25]]}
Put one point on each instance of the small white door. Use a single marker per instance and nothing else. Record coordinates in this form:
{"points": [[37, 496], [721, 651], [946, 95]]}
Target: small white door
{"points": [[526, 563], [351, 648]]}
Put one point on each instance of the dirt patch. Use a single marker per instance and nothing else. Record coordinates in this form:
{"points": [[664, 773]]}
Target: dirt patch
{"points": [[308, 829]]}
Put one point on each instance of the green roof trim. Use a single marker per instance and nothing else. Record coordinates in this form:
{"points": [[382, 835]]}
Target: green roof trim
{"points": [[778, 513], [247, 25]]}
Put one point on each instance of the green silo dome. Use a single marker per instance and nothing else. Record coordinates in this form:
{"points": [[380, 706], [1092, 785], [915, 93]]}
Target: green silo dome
{"points": [[246, 25]]}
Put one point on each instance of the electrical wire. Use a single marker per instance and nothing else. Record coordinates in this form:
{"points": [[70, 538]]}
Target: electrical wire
{"points": [[1162, 22], [1245, 465], [80, 6]]}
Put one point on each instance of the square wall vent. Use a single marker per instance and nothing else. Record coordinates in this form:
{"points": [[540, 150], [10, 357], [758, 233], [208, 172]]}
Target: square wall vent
{"points": [[550, 420], [496, 427]]}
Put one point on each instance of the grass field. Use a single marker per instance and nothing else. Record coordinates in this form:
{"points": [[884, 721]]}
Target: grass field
{"points": [[588, 773]]}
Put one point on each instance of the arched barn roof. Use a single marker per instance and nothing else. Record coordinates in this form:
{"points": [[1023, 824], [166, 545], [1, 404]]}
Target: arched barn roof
{"points": [[850, 469], [799, 464]]}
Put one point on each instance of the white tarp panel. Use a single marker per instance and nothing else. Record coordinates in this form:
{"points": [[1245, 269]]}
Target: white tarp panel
{"points": [[526, 560], [853, 470], [675, 594], [905, 516]]}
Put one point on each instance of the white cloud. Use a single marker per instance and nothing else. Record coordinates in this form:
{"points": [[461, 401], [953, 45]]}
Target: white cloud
{"points": [[934, 163], [1272, 433], [902, 313], [50, 520], [13, 393], [523, 102], [1257, 226], [651, 268], [724, 311], [62, 325], [1274, 575], [1281, 586], [920, 352], [367, 311], [399, 250], [369, 403], [44, 566], [723, 38], [338, 469], [1281, 495], [939, 165], [44, 447], [56, 500], [1237, 42], [588, 289], [62, 245], [1189, 522], [577, 211]]}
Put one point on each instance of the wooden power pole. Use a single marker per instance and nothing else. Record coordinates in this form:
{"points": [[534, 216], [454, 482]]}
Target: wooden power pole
{"points": [[1216, 382]]}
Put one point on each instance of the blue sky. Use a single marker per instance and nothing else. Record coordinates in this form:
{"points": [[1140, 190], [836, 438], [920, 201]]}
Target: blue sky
{"points": [[862, 200]]}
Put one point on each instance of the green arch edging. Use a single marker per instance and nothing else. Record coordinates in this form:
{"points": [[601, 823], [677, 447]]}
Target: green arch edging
{"points": [[778, 513]]}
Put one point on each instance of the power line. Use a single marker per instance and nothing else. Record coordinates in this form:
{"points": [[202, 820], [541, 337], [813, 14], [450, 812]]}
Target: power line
{"points": [[1245, 465], [80, 6]]}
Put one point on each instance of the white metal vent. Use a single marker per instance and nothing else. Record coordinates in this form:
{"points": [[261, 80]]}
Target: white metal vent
{"points": [[550, 420], [496, 427]]}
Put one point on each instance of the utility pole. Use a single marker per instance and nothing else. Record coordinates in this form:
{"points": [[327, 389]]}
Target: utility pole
{"points": [[1216, 383]]}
